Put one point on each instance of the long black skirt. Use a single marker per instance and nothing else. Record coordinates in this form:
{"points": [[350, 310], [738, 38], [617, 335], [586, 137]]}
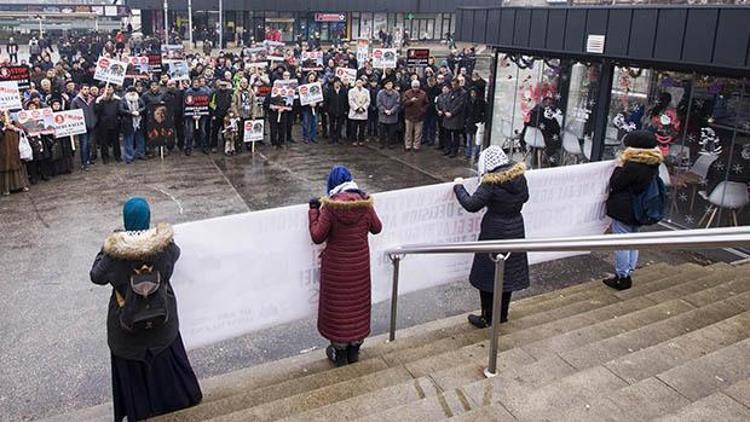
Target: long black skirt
{"points": [[163, 383]]}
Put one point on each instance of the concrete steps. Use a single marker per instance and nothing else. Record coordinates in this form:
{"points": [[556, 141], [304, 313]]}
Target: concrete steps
{"points": [[676, 346]]}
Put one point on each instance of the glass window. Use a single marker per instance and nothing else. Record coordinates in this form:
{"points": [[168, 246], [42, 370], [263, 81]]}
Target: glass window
{"points": [[580, 102]]}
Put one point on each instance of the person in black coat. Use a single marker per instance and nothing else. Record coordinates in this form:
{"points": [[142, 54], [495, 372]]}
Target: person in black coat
{"points": [[503, 191], [151, 374], [107, 110], [337, 106], [476, 112], [636, 167]]}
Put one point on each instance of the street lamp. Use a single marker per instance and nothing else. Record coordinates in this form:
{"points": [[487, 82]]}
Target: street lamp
{"points": [[166, 22], [221, 25], [190, 22]]}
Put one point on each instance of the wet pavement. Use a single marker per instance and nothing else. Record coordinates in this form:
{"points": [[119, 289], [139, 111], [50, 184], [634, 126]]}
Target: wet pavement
{"points": [[53, 350]]}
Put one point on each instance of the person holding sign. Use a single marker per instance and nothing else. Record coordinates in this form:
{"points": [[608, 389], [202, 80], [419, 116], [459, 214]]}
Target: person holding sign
{"points": [[244, 104], [107, 109], [359, 102], [343, 220], [83, 102], [309, 113], [196, 114]]}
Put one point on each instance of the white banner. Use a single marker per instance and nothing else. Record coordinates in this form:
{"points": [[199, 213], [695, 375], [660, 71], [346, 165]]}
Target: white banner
{"points": [[10, 99], [69, 123], [253, 131], [363, 52], [384, 58], [245, 272], [310, 93], [110, 70]]}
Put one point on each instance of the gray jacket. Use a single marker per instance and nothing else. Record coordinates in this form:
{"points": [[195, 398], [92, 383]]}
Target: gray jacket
{"points": [[88, 111], [388, 101]]}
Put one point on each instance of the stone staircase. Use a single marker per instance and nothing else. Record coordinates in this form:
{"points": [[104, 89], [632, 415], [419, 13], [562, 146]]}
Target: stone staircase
{"points": [[675, 347]]}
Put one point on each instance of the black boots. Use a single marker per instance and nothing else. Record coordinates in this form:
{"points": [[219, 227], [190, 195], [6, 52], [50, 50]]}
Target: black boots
{"points": [[619, 283], [479, 321], [338, 356], [352, 353]]}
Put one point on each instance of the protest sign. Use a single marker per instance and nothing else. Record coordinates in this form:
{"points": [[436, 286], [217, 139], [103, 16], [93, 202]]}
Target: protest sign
{"points": [[69, 123], [172, 51], [138, 68], [154, 63], [110, 71], [274, 50], [196, 105], [36, 122], [160, 124], [384, 58], [10, 98], [20, 74], [312, 60], [363, 51], [310, 93], [221, 296], [253, 131], [418, 57], [256, 56], [178, 70], [282, 93], [347, 76]]}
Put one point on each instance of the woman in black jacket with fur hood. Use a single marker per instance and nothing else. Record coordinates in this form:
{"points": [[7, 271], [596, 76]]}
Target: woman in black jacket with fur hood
{"points": [[636, 168], [503, 191]]}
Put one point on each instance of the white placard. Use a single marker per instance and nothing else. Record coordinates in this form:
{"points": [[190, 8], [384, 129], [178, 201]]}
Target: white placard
{"points": [[347, 76], [178, 70], [10, 98], [253, 131], [363, 52], [310, 93], [110, 70], [246, 272], [69, 122], [384, 58]]}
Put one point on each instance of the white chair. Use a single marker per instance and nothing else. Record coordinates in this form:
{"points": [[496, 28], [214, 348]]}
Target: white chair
{"points": [[534, 139], [700, 169], [571, 145], [588, 146], [727, 195], [667, 179]]}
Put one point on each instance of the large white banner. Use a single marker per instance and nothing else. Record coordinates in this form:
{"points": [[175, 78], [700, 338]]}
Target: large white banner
{"points": [[250, 271]]}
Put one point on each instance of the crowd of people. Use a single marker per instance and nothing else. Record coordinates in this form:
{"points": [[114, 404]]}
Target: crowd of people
{"points": [[440, 104]]}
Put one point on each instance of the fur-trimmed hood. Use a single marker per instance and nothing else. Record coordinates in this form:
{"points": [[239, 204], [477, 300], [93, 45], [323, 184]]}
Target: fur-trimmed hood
{"points": [[650, 156], [348, 207], [499, 177], [138, 245]]}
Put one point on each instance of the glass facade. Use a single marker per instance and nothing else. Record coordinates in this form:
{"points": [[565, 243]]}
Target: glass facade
{"points": [[701, 122]]}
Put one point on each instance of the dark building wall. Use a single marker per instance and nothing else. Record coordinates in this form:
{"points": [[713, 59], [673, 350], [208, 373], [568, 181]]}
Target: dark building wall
{"points": [[395, 6], [689, 38]]}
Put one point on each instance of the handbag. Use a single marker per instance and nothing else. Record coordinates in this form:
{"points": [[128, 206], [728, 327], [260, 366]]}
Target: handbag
{"points": [[24, 148]]}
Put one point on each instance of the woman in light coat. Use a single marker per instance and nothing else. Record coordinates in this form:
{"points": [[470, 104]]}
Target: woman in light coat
{"points": [[359, 102]]}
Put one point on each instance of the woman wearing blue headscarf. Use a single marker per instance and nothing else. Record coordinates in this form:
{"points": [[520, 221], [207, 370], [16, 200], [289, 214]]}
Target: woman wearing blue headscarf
{"points": [[151, 374], [343, 220]]}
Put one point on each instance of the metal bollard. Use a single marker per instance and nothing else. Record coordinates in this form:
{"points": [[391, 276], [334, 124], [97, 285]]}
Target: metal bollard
{"points": [[499, 261], [394, 296]]}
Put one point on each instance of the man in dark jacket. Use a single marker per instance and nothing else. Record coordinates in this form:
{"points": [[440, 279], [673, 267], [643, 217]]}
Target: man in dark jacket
{"points": [[107, 109], [637, 166], [173, 99], [337, 105], [82, 102], [221, 101], [150, 98], [453, 118]]}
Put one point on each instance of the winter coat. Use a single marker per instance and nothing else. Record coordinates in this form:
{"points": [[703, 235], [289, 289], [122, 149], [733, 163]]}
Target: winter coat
{"points": [[244, 104], [221, 102], [107, 112], [337, 104], [476, 112], [639, 167], [174, 101], [358, 100], [121, 253], [415, 105], [149, 98], [455, 104], [503, 193], [388, 101], [88, 111], [126, 118], [343, 222]]}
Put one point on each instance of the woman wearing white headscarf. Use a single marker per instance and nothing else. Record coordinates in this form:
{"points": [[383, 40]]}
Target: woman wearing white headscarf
{"points": [[503, 191]]}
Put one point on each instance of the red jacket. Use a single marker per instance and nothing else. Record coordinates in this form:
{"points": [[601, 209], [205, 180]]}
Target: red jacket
{"points": [[343, 222]]}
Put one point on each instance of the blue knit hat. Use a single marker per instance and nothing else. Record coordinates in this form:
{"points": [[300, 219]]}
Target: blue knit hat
{"points": [[136, 214], [337, 176]]}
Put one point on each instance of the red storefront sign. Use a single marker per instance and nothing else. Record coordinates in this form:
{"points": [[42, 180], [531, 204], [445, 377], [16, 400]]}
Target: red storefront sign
{"points": [[330, 17]]}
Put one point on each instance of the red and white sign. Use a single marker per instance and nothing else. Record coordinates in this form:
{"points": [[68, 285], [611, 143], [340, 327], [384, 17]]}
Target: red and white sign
{"points": [[347, 76], [69, 123], [384, 58], [310, 93], [10, 99], [330, 17], [110, 70], [253, 131], [37, 122]]}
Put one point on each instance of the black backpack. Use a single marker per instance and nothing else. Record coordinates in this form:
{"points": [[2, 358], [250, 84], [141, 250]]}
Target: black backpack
{"points": [[649, 205], [145, 304]]}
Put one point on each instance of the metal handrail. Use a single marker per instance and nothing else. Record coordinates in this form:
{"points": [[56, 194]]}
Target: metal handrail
{"points": [[500, 251]]}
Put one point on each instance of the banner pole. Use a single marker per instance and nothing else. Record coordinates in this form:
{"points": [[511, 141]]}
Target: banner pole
{"points": [[278, 116], [253, 148], [72, 143], [161, 152]]}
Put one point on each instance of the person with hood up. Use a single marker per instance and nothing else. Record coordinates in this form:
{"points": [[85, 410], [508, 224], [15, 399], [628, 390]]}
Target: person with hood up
{"points": [[636, 168], [342, 220], [151, 374], [503, 191]]}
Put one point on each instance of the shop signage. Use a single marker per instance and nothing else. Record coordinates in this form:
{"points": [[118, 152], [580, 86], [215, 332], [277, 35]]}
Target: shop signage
{"points": [[330, 17], [595, 44], [417, 57]]}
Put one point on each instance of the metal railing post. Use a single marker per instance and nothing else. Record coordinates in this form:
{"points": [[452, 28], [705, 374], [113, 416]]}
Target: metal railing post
{"points": [[396, 259], [499, 261]]}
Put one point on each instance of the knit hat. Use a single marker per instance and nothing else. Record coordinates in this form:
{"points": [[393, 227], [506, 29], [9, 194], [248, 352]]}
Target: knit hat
{"points": [[491, 159], [136, 214], [640, 139], [337, 176]]}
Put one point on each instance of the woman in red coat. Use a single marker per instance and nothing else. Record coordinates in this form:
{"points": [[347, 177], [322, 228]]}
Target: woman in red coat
{"points": [[342, 220]]}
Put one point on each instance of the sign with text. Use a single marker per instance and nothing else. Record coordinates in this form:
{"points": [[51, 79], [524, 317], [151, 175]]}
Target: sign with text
{"points": [[312, 60], [310, 93], [384, 58], [110, 71], [196, 105], [282, 93], [178, 70], [36, 122], [138, 67], [10, 98], [417, 57], [274, 50], [363, 52], [330, 17], [69, 123], [347, 76], [221, 296], [253, 131], [20, 74], [154, 62]]}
